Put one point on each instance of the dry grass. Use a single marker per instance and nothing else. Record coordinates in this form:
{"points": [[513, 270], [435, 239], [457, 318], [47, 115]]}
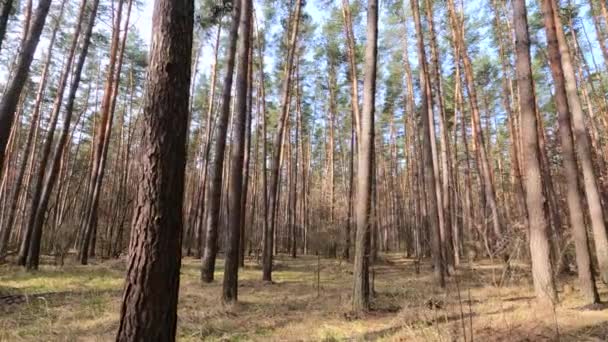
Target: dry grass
{"points": [[86, 308]]}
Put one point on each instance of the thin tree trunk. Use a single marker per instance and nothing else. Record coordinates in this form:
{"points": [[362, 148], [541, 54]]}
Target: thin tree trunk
{"points": [[363, 206], [484, 164], [584, 152], [574, 197], [4, 14], [430, 181], [355, 116], [15, 86], [445, 187], [247, 157], [237, 155], [4, 238], [278, 143], [44, 190], [108, 108], [214, 198]]}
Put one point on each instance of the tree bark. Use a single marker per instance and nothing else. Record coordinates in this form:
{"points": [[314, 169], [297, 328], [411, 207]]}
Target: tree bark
{"points": [[574, 197], [235, 185], [4, 15], [108, 109], [445, 188], [149, 307], [214, 196], [361, 286], [278, 143], [10, 220], [45, 185], [429, 177], [540, 251], [480, 143], [581, 140], [15, 86]]}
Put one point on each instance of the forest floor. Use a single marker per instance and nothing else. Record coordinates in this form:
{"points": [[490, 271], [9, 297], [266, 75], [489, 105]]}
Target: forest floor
{"points": [[82, 303]]}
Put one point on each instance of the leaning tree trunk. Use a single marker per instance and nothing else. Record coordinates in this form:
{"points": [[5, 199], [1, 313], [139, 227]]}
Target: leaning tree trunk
{"points": [[478, 137], [430, 183], [361, 289], [445, 188], [278, 144], [16, 84], [12, 212], [214, 196], [37, 216], [108, 107], [149, 308], [4, 14], [573, 196], [584, 151], [30, 235], [539, 240]]}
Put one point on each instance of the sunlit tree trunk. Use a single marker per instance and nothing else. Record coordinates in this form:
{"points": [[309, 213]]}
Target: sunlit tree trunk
{"points": [[361, 288], [539, 239], [430, 182], [149, 306], [4, 14], [235, 185], [9, 102], [445, 186], [278, 144], [214, 198], [108, 109], [581, 140], [574, 197], [478, 136]]}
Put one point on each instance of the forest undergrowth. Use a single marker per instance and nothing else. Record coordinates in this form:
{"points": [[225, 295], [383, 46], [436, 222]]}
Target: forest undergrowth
{"points": [[309, 300]]}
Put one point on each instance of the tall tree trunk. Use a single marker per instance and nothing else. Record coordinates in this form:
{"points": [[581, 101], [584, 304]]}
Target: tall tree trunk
{"points": [[355, 118], [294, 185], [540, 251], [584, 151], [15, 86], [330, 143], [507, 97], [352, 62], [207, 143], [4, 14], [108, 108], [29, 232], [44, 189], [235, 185], [430, 181], [247, 157], [361, 288], [574, 197], [10, 220], [278, 144], [445, 186], [214, 196], [480, 143], [149, 307]]}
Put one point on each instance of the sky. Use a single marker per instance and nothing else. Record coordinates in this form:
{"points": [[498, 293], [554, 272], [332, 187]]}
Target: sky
{"points": [[144, 21]]}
